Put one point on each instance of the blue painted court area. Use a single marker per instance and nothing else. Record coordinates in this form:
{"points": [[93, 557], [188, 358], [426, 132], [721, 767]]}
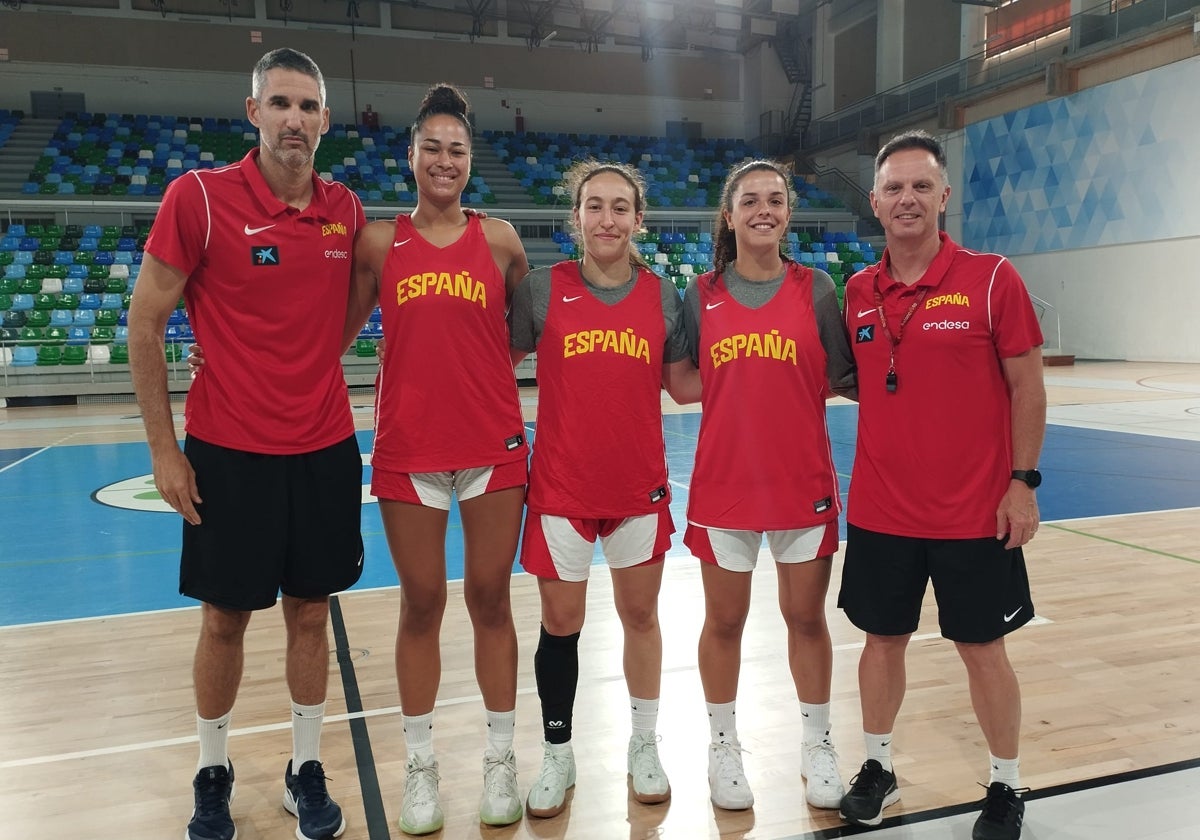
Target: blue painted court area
{"points": [[11, 456], [73, 544]]}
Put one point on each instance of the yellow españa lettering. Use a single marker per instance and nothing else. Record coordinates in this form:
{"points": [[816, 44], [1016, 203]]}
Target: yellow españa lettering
{"points": [[625, 343], [335, 227], [746, 345], [956, 299], [460, 285]]}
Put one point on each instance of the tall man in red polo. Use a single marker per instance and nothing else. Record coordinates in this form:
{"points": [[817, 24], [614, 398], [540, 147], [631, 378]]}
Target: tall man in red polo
{"points": [[269, 480]]}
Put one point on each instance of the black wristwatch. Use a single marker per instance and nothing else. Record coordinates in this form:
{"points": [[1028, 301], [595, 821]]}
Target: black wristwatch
{"points": [[1031, 477]]}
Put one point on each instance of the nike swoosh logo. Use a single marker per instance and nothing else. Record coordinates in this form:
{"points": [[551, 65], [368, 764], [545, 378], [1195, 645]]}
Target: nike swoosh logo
{"points": [[405, 242], [249, 231], [865, 312], [714, 305], [1012, 615], [568, 300]]}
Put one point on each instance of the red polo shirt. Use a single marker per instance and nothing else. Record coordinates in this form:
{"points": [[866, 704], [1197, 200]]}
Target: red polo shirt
{"points": [[266, 297], [934, 457]]}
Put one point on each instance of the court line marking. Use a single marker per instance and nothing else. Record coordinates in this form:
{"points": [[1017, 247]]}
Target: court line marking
{"points": [[1058, 523], [237, 732], [1037, 620], [1135, 547], [19, 461]]}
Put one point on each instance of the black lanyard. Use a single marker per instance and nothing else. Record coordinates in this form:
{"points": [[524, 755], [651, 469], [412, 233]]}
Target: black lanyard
{"points": [[894, 340]]}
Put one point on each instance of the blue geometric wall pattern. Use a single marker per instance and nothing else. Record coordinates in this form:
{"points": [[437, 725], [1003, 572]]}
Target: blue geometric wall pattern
{"points": [[1110, 165]]}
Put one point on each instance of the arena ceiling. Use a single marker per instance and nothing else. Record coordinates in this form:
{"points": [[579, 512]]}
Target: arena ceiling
{"points": [[588, 25], [725, 25]]}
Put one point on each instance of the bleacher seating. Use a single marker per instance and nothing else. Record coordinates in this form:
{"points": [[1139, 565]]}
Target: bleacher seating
{"points": [[680, 256], [40, 308], [138, 155], [65, 288], [80, 299], [127, 155], [678, 173]]}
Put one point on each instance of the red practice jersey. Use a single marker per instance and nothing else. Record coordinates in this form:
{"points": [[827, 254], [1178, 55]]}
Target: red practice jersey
{"points": [[447, 396], [599, 448], [763, 461]]}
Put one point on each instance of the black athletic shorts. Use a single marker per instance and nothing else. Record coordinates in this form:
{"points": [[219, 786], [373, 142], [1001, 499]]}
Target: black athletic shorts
{"points": [[271, 524], [981, 587]]}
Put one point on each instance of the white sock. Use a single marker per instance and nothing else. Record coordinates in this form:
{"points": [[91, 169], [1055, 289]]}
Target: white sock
{"points": [[214, 741], [644, 714], [816, 723], [879, 747], [1007, 770], [722, 723], [500, 730], [418, 734], [306, 734]]}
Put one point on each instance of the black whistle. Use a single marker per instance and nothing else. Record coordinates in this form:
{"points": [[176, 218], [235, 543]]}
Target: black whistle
{"points": [[891, 382]]}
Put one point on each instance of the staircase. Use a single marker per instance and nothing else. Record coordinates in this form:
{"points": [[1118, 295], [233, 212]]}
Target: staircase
{"points": [[791, 45], [506, 188], [510, 194], [20, 154]]}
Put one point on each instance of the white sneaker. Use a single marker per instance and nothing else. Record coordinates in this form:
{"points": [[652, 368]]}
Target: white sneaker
{"points": [[421, 812], [500, 803], [727, 783], [547, 796], [650, 783], [824, 788]]}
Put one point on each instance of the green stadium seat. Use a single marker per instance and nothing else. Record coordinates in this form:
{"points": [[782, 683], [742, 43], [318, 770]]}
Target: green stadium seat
{"points": [[74, 354]]}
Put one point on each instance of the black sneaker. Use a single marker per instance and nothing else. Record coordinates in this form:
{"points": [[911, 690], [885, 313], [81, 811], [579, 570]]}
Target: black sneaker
{"points": [[872, 790], [1003, 813], [305, 797], [213, 788]]}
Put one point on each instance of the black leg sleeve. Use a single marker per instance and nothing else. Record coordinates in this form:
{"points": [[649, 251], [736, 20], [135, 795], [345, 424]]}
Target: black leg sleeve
{"points": [[556, 667]]}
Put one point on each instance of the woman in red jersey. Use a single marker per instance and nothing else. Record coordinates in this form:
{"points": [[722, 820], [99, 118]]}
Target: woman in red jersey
{"points": [[768, 337], [608, 334], [447, 422]]}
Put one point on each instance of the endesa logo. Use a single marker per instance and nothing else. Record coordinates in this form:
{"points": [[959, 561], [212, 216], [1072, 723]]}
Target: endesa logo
{"points": [[946, 325]]}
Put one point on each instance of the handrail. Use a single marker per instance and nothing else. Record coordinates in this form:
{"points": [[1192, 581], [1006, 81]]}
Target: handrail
{"points": [[1046, 306]]}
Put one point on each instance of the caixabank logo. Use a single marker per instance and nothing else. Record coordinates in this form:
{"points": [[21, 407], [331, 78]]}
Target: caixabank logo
{"points": [[139, 493]]}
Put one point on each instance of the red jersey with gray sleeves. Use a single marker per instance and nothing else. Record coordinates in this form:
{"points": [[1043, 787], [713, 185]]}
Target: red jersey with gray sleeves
{"points": [[598, 450], [266, 297], [763, 461], [446, 394]]}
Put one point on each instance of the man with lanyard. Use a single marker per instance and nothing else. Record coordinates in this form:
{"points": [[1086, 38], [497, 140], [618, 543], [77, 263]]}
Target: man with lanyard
{"points": [[952, 413]]}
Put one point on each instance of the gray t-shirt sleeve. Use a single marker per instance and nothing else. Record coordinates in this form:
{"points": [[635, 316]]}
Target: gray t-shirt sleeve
{"points": [[691, 318], [676, 348], [839, 359], [527, 312]]}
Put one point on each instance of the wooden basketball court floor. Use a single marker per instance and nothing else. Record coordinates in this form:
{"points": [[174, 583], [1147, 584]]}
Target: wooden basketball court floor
{"points": [[97, 735]]}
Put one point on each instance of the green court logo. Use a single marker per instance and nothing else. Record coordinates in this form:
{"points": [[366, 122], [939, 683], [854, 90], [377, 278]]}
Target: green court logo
{"points": [[139, 493]]}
